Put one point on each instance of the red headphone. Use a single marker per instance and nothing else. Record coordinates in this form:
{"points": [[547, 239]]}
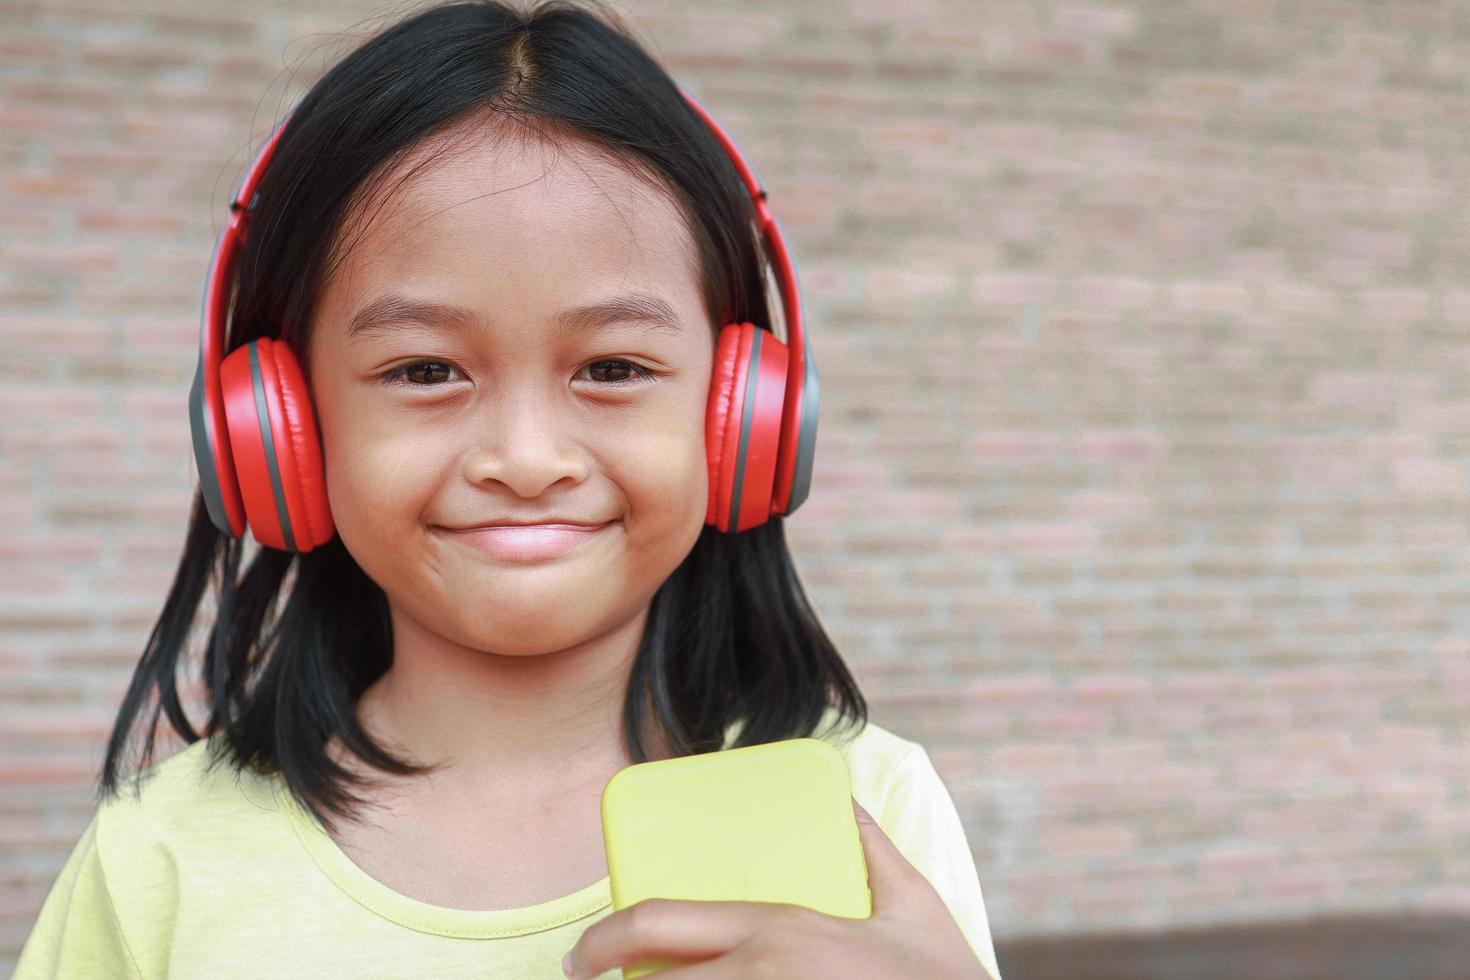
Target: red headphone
{"points": [[258, 448]]}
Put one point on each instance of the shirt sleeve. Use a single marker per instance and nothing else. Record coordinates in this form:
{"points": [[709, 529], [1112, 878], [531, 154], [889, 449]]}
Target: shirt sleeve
{"points": [[920, 818], [77, 933]]}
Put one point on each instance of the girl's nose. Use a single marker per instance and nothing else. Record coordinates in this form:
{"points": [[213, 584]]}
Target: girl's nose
{"points": [[526, 445]]}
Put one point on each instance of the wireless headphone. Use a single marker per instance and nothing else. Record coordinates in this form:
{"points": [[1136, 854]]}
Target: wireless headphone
{"points": [[258, 448]]}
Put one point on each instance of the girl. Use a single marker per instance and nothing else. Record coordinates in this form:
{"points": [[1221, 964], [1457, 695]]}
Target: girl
{"points": [[502, 247]]}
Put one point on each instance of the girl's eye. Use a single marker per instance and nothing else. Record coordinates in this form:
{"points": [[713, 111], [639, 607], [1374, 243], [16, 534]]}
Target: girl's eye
{"points": [[400, 375], [637, 372]]}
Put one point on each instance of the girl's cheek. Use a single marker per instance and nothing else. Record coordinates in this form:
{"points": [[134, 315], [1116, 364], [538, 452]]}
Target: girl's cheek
{"points": [[374, 472], [665, 461]]}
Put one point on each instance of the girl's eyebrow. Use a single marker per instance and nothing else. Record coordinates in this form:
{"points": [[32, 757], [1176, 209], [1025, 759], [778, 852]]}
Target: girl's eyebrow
{"points": [[383, 312]]}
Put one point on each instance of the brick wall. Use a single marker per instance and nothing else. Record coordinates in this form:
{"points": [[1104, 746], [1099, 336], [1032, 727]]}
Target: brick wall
{"points": [[1142, 483]]}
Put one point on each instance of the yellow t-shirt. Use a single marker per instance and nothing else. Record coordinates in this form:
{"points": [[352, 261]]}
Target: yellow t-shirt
{"points": [[216, 875]]}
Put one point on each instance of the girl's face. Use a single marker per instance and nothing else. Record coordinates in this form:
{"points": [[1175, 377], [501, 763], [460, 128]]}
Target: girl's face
{"points": [[508, 408]]}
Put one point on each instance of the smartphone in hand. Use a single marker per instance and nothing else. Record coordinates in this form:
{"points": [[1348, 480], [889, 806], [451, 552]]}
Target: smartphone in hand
{"points": [[763, 823]]}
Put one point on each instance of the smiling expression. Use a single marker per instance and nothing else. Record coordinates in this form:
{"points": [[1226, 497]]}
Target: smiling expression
{"points": [[516, 332]]}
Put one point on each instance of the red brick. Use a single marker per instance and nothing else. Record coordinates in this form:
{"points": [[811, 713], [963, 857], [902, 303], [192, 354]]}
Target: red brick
{"points": [[58, 259], [1121, 447], [1054, 539], [1009, 447], [1125, 293]]}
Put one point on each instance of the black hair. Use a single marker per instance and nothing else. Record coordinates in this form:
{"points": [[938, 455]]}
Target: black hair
{"points": [[730, 635]]}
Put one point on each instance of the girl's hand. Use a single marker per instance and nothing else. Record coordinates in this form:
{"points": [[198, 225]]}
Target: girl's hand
{"points": [[910, 934]]}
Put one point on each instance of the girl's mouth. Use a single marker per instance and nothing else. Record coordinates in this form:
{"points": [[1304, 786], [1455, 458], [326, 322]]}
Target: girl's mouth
{"points": [[527, 542]]}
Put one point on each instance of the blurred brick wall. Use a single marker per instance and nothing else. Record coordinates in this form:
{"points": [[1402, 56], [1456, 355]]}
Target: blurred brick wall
{"points": [[1141, 495]]}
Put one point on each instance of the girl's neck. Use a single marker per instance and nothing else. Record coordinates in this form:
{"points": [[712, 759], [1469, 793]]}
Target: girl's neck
{"points": [[542, 723]]}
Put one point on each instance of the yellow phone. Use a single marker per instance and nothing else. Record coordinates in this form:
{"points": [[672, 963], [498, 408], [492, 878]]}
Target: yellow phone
{"points": [[762, 823]]}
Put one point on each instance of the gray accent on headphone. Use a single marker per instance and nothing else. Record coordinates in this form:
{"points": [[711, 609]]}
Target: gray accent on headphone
{"points": [[806, 447], [205, 452], [262, 412], [747, 412], [214, 501]]}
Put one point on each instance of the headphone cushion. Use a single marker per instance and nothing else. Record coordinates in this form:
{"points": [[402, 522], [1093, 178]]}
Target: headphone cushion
{"points": [[302, 444], [727, 378]]}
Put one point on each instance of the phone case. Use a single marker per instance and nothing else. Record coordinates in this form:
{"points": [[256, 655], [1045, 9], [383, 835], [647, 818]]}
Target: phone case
{"points": [[763, 823]]}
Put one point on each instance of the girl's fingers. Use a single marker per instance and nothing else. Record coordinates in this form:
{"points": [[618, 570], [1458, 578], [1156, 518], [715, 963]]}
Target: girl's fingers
{"points": [[664, 929]]}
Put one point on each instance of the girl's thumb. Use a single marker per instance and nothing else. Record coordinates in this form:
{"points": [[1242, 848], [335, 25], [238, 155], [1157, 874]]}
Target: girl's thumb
{"points": [[890, 874]]}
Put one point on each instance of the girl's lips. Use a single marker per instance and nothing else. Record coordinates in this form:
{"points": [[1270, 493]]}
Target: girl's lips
{"points": [[527, 542]]}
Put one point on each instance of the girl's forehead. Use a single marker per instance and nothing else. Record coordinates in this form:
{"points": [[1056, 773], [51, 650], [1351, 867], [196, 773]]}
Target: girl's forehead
{"points": [[519, 194], [515, 225]]}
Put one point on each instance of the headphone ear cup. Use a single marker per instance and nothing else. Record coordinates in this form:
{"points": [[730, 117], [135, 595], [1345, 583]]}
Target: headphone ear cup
{"points": [[276, 447], [743, 426]]}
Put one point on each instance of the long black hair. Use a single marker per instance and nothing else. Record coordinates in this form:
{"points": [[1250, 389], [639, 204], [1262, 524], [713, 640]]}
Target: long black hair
{"points": [[295, 641]]}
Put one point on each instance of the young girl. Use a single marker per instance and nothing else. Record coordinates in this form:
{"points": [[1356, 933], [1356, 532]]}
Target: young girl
{"points": [[490, 261]]}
